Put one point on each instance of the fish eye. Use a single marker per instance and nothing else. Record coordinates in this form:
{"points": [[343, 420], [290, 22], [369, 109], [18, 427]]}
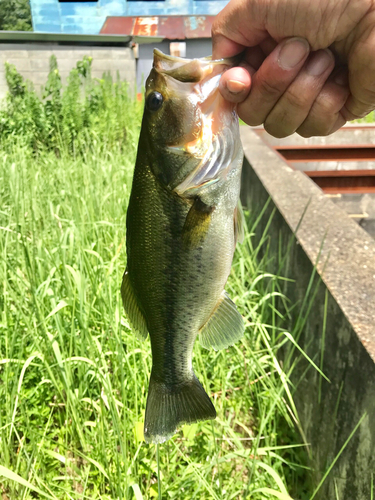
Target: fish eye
{"points": [[154, 101]]}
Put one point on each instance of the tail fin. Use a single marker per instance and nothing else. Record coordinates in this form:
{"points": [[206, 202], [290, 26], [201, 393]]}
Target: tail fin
{"points": [[168, 407]]}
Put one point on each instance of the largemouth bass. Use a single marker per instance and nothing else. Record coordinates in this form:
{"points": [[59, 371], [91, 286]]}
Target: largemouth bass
{"points": [[183, 222]]}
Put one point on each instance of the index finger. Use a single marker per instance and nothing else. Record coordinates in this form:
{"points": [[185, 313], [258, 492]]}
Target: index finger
{"points": [[224, 47], [240, 24]]}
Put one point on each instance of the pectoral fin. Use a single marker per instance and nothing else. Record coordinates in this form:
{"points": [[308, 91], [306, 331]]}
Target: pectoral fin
{"points": [[136, 318], [224, 327], [197, 223]]}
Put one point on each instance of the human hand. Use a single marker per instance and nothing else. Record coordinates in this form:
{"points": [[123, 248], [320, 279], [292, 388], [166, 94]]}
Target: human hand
{"points": [[292, 88]]}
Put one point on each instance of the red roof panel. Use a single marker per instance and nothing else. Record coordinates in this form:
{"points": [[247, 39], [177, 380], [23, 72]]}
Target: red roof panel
{"points": [[167, 27]]}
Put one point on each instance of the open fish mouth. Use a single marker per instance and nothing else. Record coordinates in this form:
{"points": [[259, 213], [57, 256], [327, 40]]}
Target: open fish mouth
{"points": [[217, 144]]}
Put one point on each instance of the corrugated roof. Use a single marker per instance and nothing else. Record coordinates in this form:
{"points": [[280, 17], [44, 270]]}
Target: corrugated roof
{"points": [[166, 27], [107, 39]]}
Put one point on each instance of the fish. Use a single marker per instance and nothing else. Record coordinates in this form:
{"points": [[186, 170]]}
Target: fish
{"points": [[183, 221]]}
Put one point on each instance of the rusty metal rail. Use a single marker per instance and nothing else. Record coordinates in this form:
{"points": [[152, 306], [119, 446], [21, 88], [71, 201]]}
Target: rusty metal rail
{"points": [[297, 151], [344, 181], [307, 153], [168, 27]]}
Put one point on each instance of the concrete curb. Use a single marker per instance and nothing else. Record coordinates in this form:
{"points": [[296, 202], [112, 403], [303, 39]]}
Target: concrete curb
{"points": [[344, 255]]}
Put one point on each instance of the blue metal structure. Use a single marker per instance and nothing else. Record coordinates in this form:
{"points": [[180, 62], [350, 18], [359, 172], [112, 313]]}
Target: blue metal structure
{"points": [[85, 17]]}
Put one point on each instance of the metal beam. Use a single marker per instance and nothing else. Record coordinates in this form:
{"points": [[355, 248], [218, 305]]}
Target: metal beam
{"points": [[307, 153], [344, 181], [165, 27], [105, 39]]}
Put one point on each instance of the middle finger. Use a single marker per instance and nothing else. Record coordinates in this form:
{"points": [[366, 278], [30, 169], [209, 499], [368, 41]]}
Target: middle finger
{"points": [[272, 79], [294, 105]]}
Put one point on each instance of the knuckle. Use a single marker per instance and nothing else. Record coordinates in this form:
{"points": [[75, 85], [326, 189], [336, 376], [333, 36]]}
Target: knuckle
{"points": [[221, 29], [313, 127], [324, 114], [296, 99], [340, 122], [254, 121], [359, 109], [325, 106], [305, 132], [251, 113], [350, 116], [215, 29], [282, 121], [246, 114], [269, 88], [277, 130]]}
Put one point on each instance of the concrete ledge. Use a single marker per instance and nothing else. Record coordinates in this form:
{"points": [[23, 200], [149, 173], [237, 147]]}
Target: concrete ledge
{"points": [[350, 273], [345, 258]]}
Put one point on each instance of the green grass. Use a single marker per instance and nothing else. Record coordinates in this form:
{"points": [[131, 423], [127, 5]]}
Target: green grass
{"points": [[370, 118], [73, 377]]}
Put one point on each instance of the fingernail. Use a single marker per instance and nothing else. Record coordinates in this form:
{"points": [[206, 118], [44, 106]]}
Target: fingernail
{"points": [[235, 87], [293, 52], [319, 62], [342, 78]]}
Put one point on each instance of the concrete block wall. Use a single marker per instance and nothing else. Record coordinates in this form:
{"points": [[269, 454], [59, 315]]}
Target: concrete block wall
{"points": [[309, 234], [32, 61]]}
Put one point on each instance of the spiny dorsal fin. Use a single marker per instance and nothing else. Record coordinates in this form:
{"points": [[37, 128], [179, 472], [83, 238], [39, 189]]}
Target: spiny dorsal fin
{"points": [[136, 318], [224, 327], [239, 223]]}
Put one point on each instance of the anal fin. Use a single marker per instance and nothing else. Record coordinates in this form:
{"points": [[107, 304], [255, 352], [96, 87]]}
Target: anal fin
{"points": [[224, 327], [135, 316]]}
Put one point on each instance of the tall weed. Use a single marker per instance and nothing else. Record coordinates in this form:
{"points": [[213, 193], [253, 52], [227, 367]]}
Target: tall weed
{"points": [[73, 376], [87, 113]]}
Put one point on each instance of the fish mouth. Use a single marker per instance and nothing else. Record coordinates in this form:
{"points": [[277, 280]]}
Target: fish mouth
{"points": [[217, 143], [191, 70]]}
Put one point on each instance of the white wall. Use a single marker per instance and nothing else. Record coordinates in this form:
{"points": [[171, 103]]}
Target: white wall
{"points": [[32, 61]]}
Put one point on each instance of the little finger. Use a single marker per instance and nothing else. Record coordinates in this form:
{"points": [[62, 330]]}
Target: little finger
{"points": [[325, 116]]}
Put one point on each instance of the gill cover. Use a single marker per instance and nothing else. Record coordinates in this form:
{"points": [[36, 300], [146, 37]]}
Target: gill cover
{"points": [[191, 131]]}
